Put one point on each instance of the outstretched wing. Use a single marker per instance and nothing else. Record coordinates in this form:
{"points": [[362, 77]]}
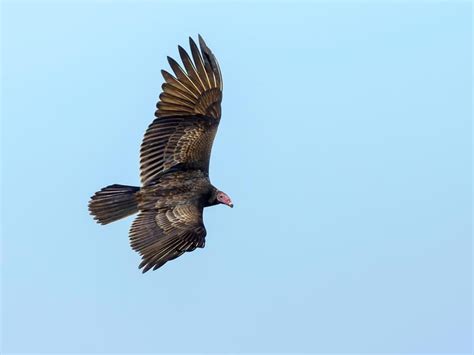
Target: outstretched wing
{"points": [[163, 235], [188, 115]]}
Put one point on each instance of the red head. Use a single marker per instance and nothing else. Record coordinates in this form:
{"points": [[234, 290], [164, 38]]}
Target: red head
{"points": [[224, 199]]}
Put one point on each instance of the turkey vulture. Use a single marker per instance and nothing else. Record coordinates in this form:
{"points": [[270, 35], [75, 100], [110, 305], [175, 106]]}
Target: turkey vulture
{"points": [[174, 165]]}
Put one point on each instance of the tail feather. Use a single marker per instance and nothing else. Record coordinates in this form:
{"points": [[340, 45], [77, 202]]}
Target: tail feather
{"points": [[114, 202]]}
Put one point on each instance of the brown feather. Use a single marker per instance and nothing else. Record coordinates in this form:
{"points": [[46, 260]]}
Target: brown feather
{"points": [[199, 64], [182, 76], [199, 85], [190, 69], [169, 98]]}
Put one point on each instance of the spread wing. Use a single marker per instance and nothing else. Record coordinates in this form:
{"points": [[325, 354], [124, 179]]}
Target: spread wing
{"points": [[188, 115], [164, 234]]}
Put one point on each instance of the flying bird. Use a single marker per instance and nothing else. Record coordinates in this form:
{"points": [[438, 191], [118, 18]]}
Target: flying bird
{"points": [[174, 165]]}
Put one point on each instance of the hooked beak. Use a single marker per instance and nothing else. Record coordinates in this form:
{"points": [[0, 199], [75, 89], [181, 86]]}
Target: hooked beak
{"points": [[224, 199]]}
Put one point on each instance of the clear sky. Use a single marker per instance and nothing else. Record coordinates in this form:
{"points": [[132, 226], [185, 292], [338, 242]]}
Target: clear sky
{"points": [[345, 144]]}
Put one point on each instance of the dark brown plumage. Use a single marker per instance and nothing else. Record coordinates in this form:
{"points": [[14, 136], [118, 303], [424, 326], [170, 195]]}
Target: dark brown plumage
{"points": [[174, 164]]}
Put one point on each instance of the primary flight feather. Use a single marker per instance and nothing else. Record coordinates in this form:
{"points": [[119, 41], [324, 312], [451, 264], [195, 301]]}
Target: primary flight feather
{"points": [[174, 164]]}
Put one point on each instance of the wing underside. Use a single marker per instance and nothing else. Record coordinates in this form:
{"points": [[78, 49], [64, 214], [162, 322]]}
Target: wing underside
{"points": [[188, 115], [165, 234]]}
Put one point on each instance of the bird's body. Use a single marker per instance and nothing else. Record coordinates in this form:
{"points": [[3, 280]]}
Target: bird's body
{"points": [[174, 163], [192, 186]]}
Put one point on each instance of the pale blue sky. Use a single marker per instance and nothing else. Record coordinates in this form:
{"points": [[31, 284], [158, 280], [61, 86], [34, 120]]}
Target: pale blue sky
{"points": [[345, 144]]}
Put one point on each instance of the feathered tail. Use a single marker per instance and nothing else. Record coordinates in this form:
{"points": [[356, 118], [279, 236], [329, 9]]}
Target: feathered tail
{"points": [[113, 203]]}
